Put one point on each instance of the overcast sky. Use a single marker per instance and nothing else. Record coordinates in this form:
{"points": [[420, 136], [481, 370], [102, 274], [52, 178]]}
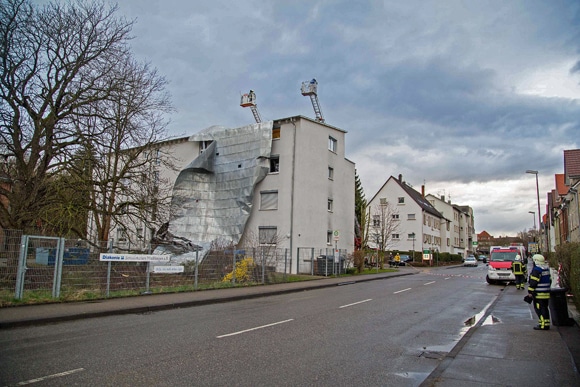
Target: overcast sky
{"points": [[462, 96]]}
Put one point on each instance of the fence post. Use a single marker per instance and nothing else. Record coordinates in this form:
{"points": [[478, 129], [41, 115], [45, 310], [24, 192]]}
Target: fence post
{"points": [[312, 260], [234, 266], [58, 263], [196, 265], [285, 262], [109, 268], [21, 267], [263, 266]]}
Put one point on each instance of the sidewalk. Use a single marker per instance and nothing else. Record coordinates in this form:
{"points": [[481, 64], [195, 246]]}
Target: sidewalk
{"points": [[501, 349]]}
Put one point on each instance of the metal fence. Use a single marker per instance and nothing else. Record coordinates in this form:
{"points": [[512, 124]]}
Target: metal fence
{"points": [[38, 268]]}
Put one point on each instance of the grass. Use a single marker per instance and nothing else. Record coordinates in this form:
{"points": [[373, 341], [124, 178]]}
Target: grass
{"points": [[74, 294]]}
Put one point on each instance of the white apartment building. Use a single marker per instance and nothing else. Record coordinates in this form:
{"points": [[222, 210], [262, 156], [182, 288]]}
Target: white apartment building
{"points": [[458, 233], [418, 223], [295, 190]]}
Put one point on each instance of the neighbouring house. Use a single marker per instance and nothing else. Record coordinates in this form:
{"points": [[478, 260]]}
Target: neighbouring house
{"points": [[407, 217]]}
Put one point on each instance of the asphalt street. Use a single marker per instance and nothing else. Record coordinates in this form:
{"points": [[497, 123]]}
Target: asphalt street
{"points": [[500, 348]]}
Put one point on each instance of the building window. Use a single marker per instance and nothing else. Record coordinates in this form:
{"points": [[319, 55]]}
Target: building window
{"points": [[402, 200], [330, 173], [121, 234], [139, 233], [395, 216], [267, 235], [332, 144], [395, 236], [268, 200], [410, 216], [275, 133], [329, 205], [411, 236], [329, 237], [203, 145], [376, 221], [274, 164]]}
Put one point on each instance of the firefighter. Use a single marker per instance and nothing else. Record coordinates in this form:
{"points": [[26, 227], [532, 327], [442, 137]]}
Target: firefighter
{"points": [[518, 270], [539, 290]]}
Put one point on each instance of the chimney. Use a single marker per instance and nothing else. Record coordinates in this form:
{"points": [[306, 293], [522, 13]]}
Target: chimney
{"points": [[423, 191], [443, 198], [400, 177]]}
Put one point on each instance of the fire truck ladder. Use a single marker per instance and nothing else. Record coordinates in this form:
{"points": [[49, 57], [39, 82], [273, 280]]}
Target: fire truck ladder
{"points": [[249, 100], [310, 88]]}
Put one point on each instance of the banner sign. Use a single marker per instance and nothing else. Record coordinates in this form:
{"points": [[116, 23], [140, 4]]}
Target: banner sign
{"points": [[110, 257]]}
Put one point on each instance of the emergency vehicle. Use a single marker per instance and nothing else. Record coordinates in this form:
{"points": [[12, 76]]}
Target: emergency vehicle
{"points": [[500, 264]]}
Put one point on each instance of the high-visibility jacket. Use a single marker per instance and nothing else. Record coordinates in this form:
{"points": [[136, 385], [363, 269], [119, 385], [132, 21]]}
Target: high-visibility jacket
{"points": [[517, 267], [540, 281]]}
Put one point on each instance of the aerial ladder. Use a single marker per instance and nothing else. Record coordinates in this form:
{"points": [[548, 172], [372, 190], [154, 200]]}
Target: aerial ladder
{"points": [[249, 100], [310, 88]]}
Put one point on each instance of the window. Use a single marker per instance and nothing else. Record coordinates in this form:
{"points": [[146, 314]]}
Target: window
{"points": [[203, 145], [395, 216], [410, 216], [139, 233], [275, 133], [274, 164], [376, 221], [395, 236], [121, 234], [330, 173], [402, 200], [268, 200], [411, 236], [329, 237], [383, 201], [157, 157], [329, 205], [332, 144], [267, 235]]}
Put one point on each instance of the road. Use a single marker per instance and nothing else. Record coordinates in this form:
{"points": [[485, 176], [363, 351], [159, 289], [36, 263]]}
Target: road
{"points": [[359, 334]]}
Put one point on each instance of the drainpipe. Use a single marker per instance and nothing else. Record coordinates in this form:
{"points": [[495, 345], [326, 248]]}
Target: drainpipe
{"points": [[292, 200]]}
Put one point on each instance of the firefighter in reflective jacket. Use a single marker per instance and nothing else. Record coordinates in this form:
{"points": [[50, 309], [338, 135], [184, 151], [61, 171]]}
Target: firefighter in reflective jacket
{"points": [[539, 289], [518, 270]]}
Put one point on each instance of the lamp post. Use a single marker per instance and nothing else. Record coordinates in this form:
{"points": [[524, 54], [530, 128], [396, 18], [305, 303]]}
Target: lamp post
{"points": [[538, 196]]}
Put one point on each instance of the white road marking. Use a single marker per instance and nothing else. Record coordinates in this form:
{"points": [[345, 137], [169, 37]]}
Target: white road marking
{"points": [[253, 329], [401, 291], [429, 283], [355, 303], [43, 378]]}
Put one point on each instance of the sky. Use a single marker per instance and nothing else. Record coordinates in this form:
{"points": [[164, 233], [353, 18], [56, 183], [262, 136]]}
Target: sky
{"points": [[460, 96]]}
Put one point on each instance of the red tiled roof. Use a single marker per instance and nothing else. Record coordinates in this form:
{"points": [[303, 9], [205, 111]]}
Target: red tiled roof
{"points": [[561, 186], [572, 164]]}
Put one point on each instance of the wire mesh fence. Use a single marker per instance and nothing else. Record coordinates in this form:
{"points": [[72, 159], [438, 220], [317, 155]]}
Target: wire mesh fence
{"points": [[41, 269]]}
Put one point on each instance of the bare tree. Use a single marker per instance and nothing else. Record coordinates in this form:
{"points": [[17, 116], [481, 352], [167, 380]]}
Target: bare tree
{"points": [[80, 120], [384, 224], [54, 61]]}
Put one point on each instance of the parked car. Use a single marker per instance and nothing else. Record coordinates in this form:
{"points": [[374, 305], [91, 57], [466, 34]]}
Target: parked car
{"points": [[470, 261], [405, 259], [482, 258]]}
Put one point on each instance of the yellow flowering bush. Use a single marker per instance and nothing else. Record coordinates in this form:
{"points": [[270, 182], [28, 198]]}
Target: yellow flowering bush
{"points": [[243, 271]]}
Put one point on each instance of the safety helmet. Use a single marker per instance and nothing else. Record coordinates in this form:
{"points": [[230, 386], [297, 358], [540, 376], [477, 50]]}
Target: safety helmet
{"points": [[518, 258], [539, 259]]}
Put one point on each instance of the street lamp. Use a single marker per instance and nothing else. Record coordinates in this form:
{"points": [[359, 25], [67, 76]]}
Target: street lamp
{"points": [[538, 196], [413, 236]]}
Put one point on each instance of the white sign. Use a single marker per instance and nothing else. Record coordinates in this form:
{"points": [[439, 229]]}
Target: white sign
{"points": [[110, 257], [336, 235], [168, 269]]}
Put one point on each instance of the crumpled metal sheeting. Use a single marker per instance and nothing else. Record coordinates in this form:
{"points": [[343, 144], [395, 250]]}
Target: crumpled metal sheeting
{"points": [[212, 196]]}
